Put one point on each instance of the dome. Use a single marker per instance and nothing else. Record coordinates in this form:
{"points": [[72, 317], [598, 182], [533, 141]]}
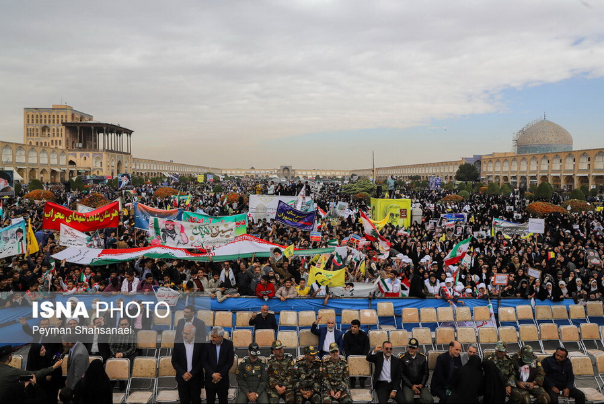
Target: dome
{"points": [[543, 136]]}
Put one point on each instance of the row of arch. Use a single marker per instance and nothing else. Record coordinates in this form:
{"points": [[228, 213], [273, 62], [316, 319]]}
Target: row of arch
{"points": [[32, 157], [557, 164]]}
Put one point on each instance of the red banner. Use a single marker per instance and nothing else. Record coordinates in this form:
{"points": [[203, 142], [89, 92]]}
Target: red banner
{"points": [[101, 218]]}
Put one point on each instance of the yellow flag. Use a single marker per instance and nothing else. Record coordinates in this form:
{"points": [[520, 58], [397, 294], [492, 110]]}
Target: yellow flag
{"points": [[443, 237], [32, 243], [327, 278], [323, 261], [380, 224], [289, 251], [362, 267]]}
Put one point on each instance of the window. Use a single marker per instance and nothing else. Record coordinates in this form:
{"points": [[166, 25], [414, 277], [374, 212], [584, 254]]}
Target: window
{"points": [[43, 157], [584, 162], [506, 165], [63, 159], [569, 162], [514, 165], [544, 164], [556, 163], [32, 157], [599, 161], [54, 158], [523, 165], [534, 164], [7, 154]]}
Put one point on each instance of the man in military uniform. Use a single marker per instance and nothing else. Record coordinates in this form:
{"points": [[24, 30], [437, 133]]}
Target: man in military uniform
{"points": [[280, 375], [505, 365], [335, 377], [252, 378], [529, 378], [415, 373], [308, 382]]}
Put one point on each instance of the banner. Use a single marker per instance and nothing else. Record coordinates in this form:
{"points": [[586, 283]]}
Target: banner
{"points": [[174, 233], [73, 238], [142, 213], [167, 295], [295, 218], [265, 206], [101, 218], [13, 240], [315, 236], [455, 217], [7, 183], [83, 208], [200, 178], [244, 246], [326, 278], [398, 209], [123, 180], [174, 178], [239, 220], [510, 229]]}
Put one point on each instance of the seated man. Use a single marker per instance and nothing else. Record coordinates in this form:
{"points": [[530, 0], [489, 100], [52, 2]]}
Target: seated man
{"points": [[264, 321], [280, 375], [559, 378], [529, 377], [335, 377]]}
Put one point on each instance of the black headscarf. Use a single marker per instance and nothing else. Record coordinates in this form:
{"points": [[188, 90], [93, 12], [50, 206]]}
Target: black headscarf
{"points": [[35, 361], [468, 382], [94, 387], [494, 385]]}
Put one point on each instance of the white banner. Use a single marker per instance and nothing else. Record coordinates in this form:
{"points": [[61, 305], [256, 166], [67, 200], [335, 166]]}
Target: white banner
{"points": [[167, 295], [174, 233], [83, 208], [536, 226], [74, 238], [265, 206]]}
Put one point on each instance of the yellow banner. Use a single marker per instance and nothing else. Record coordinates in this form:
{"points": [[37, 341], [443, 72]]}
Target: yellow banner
{"points": [[327, 278], [397, 211]]}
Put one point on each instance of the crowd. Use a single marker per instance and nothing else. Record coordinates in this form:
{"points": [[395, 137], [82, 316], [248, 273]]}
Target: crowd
{"points": [[566, 256]]}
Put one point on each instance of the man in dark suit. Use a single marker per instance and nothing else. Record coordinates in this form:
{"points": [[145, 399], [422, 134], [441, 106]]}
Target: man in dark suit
{"points": [[264, 321], [446, 364], [387, 375], [217, 361], [327, 335], [99, 342], [189, 318], [187, 360]]}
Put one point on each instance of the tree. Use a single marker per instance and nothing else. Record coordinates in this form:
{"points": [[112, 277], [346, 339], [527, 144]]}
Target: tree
{"points": [[544, 191], [506, 190], [577, 194], [217, 189], [585, 189], [35, 184], [467, 172], [362, 185], [449, 186], [493, 189], [79, 184], [414, 178], [464, 194]]}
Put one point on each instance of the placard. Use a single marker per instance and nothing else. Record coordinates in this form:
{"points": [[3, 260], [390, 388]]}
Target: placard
{"points": [[535, 273], [536, 226], [500, 279]]}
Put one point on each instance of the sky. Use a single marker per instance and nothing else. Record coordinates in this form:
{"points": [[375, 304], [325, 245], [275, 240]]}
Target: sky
{"points": [[309, 83]]}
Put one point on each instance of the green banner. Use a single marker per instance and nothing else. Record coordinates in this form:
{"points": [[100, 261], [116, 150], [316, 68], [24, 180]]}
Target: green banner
{"points": [[239, 220]]}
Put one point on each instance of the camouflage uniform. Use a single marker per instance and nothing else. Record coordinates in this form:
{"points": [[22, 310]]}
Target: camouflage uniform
{"points": [[281, 373], [536, 376], [505, 365], [252, 377], [335, 377], [308, 376]]}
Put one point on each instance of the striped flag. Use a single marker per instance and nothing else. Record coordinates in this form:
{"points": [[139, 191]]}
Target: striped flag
{"points": [[372, 234], [321, 212], [337, 260], [383, 286], [458, 252]]}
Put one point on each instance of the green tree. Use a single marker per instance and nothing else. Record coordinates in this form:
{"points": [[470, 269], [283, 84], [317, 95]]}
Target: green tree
{"points": [[592, 192], [533, 188], [464, 194], [577, 194], [362, 185], [461, 186], [467, 172], [506, 190], [113, 183], [449, 186], [544, 191], [217, 189], [477, 187], [585, 189], [18, 188], [493, 189], [414, 178], [35, 184], [79, 183]]}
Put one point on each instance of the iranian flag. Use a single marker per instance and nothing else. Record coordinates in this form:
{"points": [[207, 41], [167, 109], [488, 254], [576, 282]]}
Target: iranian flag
{"points": [[337, 259], [458, 252], [383, 286], [321, 212], [372, 233], [405, 287]]}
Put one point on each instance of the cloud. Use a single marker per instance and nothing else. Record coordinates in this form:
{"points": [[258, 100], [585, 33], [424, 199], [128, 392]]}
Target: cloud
{"points": [[231, 83]]}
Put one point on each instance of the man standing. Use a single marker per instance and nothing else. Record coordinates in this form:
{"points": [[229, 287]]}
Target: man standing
{"points": [[560, 379], [280, 375], [218, 358], [446, 364], [308, 385], [415, 373], [265, 290], [264, 321], [77, 362], [188, 363], [327, 335], [335, 377], [387, 374], [287, 291], [355, 342], [190, 319], [529, 378], [252, 378], [505, 365]]}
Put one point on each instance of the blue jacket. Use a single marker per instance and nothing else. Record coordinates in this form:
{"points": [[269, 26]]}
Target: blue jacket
{"points": [[322, 332]]}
